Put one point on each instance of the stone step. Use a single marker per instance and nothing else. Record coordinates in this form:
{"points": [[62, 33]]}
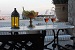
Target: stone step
{"points": [[50, 32], [61, 37]]}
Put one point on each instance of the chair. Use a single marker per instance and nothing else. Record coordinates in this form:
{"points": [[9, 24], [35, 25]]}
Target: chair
{"points": [[23, 41]]}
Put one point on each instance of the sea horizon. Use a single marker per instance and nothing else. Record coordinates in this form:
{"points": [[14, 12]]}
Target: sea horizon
{"points": [[8, 16]]}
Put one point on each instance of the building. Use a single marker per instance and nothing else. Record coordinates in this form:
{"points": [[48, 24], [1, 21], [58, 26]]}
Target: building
{"points": [[71, 14]]}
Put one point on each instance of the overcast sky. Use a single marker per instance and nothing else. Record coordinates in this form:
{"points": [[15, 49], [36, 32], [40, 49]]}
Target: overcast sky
{"points": [[7, 6]]}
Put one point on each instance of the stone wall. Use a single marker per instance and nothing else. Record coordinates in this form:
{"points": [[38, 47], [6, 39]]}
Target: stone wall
{"points": [[71, 14]]}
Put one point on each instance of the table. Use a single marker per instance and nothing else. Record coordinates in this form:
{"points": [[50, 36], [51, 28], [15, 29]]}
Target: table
{"points": [[41, 27]]}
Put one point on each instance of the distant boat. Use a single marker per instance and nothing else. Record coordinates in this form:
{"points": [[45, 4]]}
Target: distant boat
{"points": [[45, 15]]}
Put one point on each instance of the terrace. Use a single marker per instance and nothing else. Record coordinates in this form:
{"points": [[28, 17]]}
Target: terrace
{"points": [[64, 37]]}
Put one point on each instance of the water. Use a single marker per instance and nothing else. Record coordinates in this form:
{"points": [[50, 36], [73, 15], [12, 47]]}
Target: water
{"points": [[8, 16]]}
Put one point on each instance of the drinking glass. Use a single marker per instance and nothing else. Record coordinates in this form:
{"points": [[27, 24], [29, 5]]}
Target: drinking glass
{"points": [[46, 19], [53, 19]]}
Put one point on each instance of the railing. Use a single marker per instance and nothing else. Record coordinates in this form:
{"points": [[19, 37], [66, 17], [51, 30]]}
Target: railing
{"points": [[25, 41]]}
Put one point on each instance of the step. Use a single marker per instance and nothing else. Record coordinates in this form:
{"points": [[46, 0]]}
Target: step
{"points": [[61, 37]]}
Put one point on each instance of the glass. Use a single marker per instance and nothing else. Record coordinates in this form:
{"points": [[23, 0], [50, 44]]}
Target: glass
{"points": [[53, 19], [46, 19]]}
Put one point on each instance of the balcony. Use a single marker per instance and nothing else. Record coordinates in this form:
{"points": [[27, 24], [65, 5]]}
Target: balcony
{"points": [[64, 38]]}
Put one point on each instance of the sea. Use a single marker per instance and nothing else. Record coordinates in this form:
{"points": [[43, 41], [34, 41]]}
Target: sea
{"points": [[8, 16]]}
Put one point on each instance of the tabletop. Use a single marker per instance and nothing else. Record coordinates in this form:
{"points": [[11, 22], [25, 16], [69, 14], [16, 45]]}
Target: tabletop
{"points": [[41, 27]]}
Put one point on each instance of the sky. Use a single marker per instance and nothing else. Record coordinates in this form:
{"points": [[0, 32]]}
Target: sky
{"points": [[7, 6]]}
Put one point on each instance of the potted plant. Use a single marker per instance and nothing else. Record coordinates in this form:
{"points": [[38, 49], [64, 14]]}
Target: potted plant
{"points": [[61, 9]]}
